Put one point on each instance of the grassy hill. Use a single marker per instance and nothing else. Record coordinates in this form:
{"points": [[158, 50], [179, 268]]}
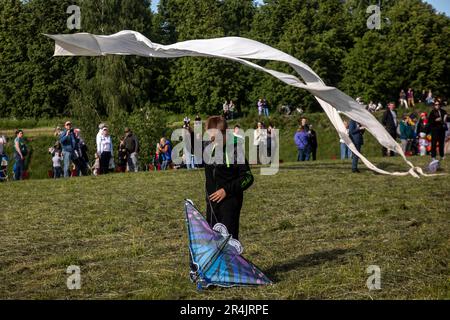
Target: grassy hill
{"points": [[313, 228]]}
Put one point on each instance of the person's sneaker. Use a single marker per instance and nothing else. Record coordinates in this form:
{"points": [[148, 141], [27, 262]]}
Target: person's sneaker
{"points": [[356, 171], [442, 158]]}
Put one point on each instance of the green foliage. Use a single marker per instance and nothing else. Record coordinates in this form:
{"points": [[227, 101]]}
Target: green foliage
{"points": [[149, 125], [329, 35]]}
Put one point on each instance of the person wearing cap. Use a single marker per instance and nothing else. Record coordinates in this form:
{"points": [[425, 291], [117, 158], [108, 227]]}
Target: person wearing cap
{"points": [[68, 143], [437, 120], [132, 146]]}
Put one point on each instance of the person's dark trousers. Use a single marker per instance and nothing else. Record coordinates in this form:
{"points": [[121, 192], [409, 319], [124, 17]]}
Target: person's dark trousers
{"points": [[82, 168], [301, 155], [313, 154], [19, 169], [384, 150], [226, 212], [437, 135], [57, 172], [105, 157], [355, 158]]}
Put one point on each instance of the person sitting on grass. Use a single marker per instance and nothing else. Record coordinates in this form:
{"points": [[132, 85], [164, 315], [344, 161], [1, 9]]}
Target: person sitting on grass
{"points": [[225, 181]]}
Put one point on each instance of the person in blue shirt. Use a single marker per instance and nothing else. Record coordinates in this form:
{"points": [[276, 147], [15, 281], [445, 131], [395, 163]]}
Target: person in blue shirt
{"points": [[301, 139], [68, 143]]}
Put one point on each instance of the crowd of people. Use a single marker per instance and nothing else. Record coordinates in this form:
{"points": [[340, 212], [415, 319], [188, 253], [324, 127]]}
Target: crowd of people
{"points": [[419, 134], [425, 133]]}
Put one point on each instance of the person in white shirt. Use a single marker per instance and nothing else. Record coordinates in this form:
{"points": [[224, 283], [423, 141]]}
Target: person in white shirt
{"points": [[57, 170], [105, 151]]}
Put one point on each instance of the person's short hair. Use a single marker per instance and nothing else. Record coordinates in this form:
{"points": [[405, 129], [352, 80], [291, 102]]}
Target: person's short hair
{"points": [[19, 131], [68, 122], [101, 126], [237, 126], [127, 130]]}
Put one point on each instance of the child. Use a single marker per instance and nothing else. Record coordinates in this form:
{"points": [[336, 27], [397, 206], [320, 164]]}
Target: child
{"points": [[57, 158], [225, 182], [423, 144], [96, 168]]}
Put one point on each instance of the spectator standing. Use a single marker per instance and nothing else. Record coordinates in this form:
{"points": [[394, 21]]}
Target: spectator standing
{"points": [[356, 132], [301, 140], [402, 99], [438, 126], [105, 151], [346, 153], [68, 143], [165, 152], [312, 143], [265, 106], [429, 100], [56, 160], [20, 152], [410, 96], [406, 134], [271, 141], [132, 146], [422, 125], [82, 161], [2, 145], [260, 139], [226, 109], [390, 122], [260, 106], [231, 109], [122, 155]]}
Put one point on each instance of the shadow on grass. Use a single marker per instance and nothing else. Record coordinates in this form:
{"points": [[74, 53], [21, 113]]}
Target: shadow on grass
{"points": [[275, 272]]}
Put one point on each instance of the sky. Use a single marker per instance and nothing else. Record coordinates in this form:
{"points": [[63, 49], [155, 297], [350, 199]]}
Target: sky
{"points": [[439, 5]]}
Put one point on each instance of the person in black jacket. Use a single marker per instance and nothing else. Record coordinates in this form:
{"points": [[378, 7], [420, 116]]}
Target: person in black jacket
{"points": [[390, 122], [355, 132], [312, 143], [226, 180], [437, 122]]}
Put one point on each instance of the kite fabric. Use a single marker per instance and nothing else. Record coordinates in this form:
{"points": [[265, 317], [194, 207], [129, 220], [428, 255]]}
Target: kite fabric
{"points": [[215, 257], [333, 101]]}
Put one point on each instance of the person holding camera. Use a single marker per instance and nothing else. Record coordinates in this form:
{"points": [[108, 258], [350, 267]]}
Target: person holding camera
{"points": [[68, 143]]}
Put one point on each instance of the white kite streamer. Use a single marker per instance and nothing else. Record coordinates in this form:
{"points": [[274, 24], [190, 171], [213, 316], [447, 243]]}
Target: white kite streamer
{"points": [[332, 100]]}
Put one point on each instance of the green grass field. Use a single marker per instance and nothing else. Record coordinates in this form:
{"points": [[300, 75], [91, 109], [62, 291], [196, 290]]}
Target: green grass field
{"points": [[313, 228]]}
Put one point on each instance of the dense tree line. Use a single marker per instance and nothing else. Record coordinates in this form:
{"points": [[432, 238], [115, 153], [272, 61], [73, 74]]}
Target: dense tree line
{"points": [[331, 36]]}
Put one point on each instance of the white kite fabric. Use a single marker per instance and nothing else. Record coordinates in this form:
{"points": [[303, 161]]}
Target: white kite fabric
{"points": [[332, 100]]}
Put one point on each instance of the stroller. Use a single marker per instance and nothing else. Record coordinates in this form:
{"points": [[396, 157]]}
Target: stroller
{"points": [[4, 168]]}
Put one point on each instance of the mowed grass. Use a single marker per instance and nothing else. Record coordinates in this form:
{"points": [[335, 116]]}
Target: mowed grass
{"points": [[313, 228]]}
